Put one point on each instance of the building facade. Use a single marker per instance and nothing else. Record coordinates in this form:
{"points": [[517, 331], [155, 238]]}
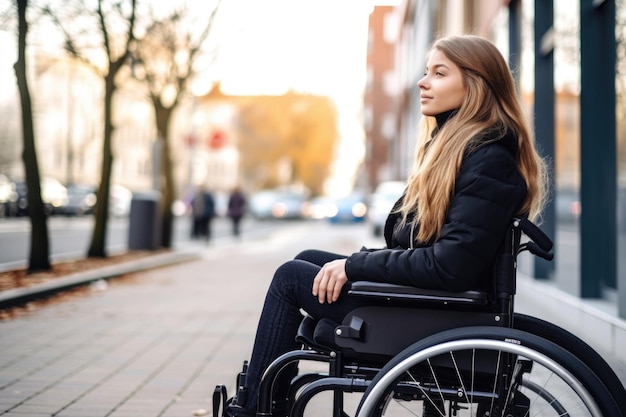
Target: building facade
{"points": [[512, 27]]}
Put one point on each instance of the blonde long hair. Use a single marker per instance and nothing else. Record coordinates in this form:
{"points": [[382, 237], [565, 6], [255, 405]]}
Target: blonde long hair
{"points": [[491, 103]]}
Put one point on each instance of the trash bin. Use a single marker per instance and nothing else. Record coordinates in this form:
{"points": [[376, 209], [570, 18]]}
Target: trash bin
{"points": [[144, 223]]}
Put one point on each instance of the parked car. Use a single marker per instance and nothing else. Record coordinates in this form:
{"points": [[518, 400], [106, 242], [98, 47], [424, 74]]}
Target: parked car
{"points": [[381, 203], [120, 198], [351, 208], [278, 204], [81, 199], [53, 195], [289, 205], [319, 208], [568, 206], [7, 196], [261, 203], [20, 204]]}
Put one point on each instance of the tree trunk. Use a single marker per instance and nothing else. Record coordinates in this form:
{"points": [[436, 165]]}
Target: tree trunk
{"points": [[39, 258], [163, 118], [97, 247]]}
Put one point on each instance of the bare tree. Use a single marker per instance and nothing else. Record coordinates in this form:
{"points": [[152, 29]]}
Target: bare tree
{"points": [[102, 39], [39, 258], [166, 57]]}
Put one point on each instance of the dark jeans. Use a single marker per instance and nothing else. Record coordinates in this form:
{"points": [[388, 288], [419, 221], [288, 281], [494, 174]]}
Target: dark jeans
{"points": [[290, 291], [201, 228], [236, 221]]}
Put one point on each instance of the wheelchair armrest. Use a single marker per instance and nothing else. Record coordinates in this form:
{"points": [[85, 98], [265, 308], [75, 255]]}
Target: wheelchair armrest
{"points": [[406, 294]]}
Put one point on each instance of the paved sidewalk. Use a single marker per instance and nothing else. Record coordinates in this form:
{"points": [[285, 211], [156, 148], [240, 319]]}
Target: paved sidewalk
{"points": [[157, 342], [154, 344]]}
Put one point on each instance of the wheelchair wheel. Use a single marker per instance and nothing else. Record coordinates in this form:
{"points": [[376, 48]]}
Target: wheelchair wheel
{"points": [[578, 348], [486, 371]]}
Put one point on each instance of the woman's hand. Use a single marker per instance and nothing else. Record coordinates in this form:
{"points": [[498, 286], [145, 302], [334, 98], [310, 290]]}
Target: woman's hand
{"points": [[329, 281]]}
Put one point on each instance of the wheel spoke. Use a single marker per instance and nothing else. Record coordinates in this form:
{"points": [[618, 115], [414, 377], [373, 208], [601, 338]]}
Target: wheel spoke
{"points": [[465, 378]]}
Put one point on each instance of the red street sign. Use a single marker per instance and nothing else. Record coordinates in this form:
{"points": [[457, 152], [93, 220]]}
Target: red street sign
{"points": [[217, 139]]}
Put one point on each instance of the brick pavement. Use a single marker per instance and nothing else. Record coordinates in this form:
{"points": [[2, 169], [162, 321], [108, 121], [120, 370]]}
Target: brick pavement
{"points": [[154, 344]]}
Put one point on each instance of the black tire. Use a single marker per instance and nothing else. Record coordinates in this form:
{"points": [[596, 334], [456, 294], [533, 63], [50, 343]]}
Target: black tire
{"points": [[431, 370], [578, 348]]}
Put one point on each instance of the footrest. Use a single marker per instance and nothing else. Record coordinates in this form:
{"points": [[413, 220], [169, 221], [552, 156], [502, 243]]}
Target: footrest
{"points": [[220, 397]]}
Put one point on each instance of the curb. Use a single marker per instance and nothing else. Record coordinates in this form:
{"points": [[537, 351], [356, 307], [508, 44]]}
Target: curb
{"points": [[15, 296], [604, 331]]}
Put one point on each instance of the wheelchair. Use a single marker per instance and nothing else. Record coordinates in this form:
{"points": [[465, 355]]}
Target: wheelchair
{"points": [[432, 353]]}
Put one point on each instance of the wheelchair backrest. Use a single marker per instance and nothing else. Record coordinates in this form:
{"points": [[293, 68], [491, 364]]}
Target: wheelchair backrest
{"points": [[539, 244]]}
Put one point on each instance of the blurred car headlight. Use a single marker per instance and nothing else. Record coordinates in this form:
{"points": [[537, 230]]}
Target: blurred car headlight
{"points": [[179, 208], [90, 200], [279, 210], [359, 209]]}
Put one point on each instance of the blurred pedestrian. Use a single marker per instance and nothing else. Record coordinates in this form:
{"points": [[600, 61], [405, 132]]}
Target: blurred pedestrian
{"points": [[203, 211], [236, 209]]}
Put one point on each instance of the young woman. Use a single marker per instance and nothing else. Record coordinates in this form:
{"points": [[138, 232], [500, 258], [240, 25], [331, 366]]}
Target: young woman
{"points": [[475, 168]]}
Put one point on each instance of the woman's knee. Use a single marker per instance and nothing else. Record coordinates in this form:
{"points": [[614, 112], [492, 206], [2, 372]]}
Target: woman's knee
{"points": [[283, 271], [292, 278], [306, 255], [291, 271], [318, 257]]}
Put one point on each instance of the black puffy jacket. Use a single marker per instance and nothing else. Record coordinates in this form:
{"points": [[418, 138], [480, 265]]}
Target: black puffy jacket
{"points": [[488, 193]]}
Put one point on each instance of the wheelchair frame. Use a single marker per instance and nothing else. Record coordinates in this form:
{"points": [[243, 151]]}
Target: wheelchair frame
{"points": [[367, 353]]}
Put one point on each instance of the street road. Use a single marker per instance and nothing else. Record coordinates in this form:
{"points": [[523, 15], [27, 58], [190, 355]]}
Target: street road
{"points": [[70, 236]]}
